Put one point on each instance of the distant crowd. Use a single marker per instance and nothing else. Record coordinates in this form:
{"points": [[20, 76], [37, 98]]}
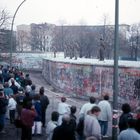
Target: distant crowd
{"points": [[26, 109]]}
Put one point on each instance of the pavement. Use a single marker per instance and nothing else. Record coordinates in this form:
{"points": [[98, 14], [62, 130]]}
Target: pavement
{"points": [[13, 133]]}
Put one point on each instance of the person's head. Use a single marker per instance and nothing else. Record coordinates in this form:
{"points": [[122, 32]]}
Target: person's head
{"points": [[28, 89], [33, 87], [54, 116], [73, 109], [126, 108], [63, 99], [27, 94], [41, 91], [92, 100], [106, 97], [29, 105], [131, 123], [12, 81], [6, 85], [27, 75], [65, 119], [30, 82], [20, 90], [95, 110]]}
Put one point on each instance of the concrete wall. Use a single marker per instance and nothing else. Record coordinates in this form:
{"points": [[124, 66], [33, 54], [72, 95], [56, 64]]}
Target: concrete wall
{"points": [[29, 61], [84, 80]]}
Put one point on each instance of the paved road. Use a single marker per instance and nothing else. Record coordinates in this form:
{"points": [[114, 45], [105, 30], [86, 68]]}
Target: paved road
{"points": [[12, 133]]}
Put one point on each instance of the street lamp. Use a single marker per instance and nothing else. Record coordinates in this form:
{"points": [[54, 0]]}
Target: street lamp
{"points": [[115, 80], [11, 37]]}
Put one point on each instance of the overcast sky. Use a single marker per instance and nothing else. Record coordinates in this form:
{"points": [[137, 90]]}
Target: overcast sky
{"points": [[72, 11]]}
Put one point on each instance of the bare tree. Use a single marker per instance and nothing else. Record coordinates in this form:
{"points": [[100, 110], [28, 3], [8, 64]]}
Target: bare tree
{"points": [[4, 18], [39, 37], [23, 40], [135, 40]]}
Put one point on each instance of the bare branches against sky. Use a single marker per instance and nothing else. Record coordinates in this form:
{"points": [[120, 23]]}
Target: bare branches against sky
{"points": [[72, 11]]}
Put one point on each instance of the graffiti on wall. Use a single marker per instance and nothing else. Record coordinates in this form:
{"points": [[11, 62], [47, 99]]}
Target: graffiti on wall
{"points": [[86, 80], [24, 60]]}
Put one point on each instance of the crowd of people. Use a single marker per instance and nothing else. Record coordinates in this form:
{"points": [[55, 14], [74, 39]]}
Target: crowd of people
{"points": [[26, 109], [21, 103]]}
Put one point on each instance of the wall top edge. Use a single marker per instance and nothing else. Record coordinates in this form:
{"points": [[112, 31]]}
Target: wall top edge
{"points": [[108, 63]]}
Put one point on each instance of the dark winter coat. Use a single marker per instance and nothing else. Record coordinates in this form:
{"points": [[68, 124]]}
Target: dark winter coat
{"points": [[123, 121], [64, 132], [44, 102], [3, 105]]}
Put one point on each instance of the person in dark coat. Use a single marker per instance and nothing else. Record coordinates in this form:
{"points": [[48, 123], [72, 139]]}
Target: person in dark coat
{"points": [[130, 133], [26, 80], [125, 116], [138, 119], [64, 131], [3, 105], [26, 99], [73, 117], [44, 104], [102, 50]]}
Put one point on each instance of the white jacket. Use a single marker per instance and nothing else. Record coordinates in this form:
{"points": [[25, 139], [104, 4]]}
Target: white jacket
{"points": [[49, 130], [12, 104], [92, 127], [106, 111], [63, 108], [16, 83], [85, 108]]}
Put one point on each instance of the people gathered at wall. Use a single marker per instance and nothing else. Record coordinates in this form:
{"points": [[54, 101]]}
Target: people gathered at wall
{"points": [[25, 107]]}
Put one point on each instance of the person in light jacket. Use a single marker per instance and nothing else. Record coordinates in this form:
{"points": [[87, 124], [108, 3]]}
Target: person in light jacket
{"points": [[105, 115], [12, 108], [63, 108], [52, 124], [92, 127], [130, 133]]}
